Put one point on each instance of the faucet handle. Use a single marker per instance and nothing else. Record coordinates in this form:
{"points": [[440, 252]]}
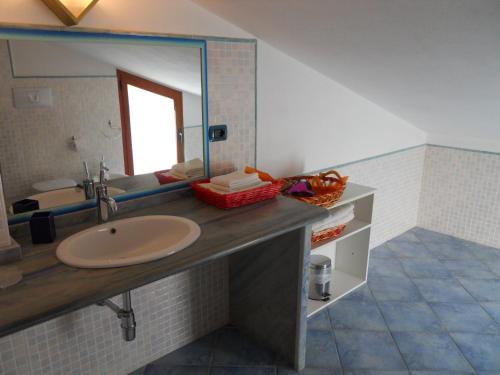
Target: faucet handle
{"points": [[102, 171], [86, 169]]}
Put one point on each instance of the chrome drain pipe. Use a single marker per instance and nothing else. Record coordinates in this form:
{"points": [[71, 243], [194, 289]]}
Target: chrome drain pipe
{"points": [[125, 314]]}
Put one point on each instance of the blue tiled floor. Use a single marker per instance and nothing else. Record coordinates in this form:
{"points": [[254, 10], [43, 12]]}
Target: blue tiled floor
{"points": [[431, 307]]}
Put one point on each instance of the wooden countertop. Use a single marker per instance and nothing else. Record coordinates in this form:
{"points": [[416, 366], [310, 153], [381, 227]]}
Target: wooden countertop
{"points": [[50, 288]]}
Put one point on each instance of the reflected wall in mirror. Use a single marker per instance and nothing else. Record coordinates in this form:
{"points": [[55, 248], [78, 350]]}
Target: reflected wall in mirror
{"points": [[138, 106]]}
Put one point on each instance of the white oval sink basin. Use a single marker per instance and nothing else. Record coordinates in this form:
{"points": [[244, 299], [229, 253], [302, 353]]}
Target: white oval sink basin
{"points": [[129, 241], [65, 196]]}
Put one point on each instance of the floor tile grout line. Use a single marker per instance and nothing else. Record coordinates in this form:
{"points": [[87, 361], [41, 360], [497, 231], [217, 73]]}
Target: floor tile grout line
{"points": [[467, 290], [212, 350], [485, 263], [476, 301], [446, 330], [408, 277], [461, 352], [491, 316], [480, 303], [440, 260], [389, 330], [432, 310], [443, 329], [332, 332]]}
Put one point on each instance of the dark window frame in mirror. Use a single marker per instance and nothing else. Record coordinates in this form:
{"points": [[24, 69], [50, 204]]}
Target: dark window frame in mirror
{"points": [[10, 32], [125, 79]]}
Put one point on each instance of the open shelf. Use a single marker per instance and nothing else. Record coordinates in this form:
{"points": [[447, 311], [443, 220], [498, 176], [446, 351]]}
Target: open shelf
{"points": [[341, 284], [349, 254], [353, 227]]}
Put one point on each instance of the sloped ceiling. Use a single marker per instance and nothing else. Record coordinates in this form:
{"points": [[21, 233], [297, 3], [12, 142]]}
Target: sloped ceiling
{"points": [[178, 67], [434, 63], [175, 66]]}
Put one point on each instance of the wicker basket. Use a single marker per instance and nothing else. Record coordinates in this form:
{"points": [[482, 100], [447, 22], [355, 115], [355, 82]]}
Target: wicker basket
{"points": [[328, 188], [236, 199], [328, 234]]}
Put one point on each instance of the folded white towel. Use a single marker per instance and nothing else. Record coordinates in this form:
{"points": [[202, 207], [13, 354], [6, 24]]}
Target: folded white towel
{"points": [[339, 216], [184, 176], [189, 167], [236, 180], [219, 189], [181, 176], [340, 212], [332, 224], [239, 188]]}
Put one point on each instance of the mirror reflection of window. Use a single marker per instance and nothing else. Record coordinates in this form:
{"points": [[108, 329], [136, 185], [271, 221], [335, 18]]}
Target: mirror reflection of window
{"points": [[153, 131], [152, 123]]}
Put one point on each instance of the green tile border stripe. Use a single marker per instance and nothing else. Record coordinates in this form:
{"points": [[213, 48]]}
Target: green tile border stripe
{"points": [[369, 158], [337, 166], [465, 149]]}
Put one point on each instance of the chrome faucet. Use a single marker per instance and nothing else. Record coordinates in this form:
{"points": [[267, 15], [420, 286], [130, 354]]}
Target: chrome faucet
{"points": [[103, 198]]}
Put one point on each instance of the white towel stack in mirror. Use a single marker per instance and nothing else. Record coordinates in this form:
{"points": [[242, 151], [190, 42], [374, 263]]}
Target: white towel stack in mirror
{"points": [[189, 169]]}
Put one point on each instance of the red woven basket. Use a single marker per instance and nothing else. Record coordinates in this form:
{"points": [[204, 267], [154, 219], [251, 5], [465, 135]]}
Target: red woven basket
{"points": [[328, 234], [238, 199]]}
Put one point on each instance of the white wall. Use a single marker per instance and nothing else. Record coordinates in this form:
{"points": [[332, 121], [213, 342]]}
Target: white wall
{"points": [[461, 195], [32, 58], [397, 178], [307, 121], [163, 16], [432, 63], [192, 110], [193, 129]]}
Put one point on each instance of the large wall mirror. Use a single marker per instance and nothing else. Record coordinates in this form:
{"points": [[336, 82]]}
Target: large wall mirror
{"points": [[71, 99]]}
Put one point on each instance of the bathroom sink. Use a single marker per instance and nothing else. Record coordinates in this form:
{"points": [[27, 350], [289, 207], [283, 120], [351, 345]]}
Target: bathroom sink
{"points": [[128, 241], [65, 196]]}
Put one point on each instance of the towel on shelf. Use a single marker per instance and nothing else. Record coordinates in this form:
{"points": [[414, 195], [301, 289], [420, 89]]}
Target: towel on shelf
{"points": [[185, 176], [188, 169], [236, 180], [220, 189], [338, 216]]}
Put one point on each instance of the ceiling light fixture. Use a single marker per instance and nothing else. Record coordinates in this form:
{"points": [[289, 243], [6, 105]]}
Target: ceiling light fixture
{"points": [[70, 12]]}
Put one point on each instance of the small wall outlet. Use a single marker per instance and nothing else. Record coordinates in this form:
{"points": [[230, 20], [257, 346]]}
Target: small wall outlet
{"points": [[32, 97], [217, 133]]}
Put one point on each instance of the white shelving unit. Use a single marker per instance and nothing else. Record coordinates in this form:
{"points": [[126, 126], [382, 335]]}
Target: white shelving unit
{"points": [[349, 252]]}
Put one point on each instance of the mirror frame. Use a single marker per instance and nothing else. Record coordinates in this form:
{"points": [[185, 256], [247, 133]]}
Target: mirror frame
{"points": [[43, 33]]}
